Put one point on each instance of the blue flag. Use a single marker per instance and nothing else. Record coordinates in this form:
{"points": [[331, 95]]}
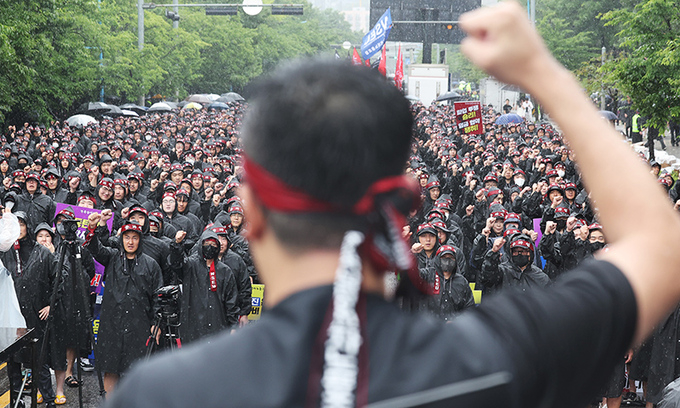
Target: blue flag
{"points": [[376, 38]]}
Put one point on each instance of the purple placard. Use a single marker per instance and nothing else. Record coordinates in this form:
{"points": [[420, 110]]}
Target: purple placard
{"points": [[81, 214], [537, 228]]}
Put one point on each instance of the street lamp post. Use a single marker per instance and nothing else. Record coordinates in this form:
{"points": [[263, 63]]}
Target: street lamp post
{"points": [[251, 7], [602, 101], [140, 37]]}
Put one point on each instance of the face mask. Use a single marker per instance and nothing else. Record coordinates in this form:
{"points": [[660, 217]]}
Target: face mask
{"points": [[561, 224], [596, 246], [448, 264], [147, 137], [210, 252], [519, 182], [520, 260], [55, 145], [560, 173]]}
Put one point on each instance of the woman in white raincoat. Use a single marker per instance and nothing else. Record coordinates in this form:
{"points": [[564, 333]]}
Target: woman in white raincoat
{"points": [[10, 314]]}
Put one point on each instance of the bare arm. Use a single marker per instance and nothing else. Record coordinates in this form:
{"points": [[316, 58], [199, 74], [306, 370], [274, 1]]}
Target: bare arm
{"points": [[502, 42]]}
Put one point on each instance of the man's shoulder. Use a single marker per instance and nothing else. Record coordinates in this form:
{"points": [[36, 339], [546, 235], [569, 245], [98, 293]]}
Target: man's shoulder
{"points": [[219, 368]]}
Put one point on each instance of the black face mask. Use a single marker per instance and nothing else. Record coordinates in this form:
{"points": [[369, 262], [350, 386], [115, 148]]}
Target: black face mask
{"points": [[520, 260], [596, 246], [561, 224], [210, 252], [448, 264]]}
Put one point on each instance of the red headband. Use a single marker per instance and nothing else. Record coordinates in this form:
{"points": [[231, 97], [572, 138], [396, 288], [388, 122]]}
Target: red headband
{"points": [[276, 195], [131, 227]]}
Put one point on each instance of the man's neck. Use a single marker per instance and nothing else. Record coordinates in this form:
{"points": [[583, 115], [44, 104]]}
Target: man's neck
{"points": [[286, 273], [130, 255]]}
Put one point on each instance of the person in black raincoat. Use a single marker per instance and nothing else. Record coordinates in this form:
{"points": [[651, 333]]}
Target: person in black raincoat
{"points": [[37, 206], [127, 310], [240, 270], [451, 292], [664, 362], [426, 245], [32, 267], [518, 272], [209, 289], [156, 248], [68, 334], [172, 217], [105, 201]]}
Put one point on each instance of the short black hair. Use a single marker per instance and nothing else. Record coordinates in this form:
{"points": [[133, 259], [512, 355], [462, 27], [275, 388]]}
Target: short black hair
{"points": [[330, 129]]}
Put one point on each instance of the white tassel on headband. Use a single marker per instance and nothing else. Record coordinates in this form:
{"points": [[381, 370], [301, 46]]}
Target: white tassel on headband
{"points": [[341, 355]]}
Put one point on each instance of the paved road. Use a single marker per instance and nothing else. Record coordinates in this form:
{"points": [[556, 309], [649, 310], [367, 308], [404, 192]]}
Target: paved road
{"points": [[91, 398]]}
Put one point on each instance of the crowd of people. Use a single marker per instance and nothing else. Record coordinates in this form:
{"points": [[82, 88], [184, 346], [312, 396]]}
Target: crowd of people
{"points": [[169, 185], [503, 210]]}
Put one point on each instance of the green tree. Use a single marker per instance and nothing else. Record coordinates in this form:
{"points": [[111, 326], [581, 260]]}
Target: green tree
{"points": [[649, 68], [571, 48], [47, 65]]}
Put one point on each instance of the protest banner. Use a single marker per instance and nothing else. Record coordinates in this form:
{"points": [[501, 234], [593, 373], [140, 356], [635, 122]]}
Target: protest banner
{"points": [[257, 298], [469, 117]]}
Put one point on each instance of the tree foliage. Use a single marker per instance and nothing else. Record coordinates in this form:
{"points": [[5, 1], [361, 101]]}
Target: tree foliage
{"points": [[649, 67], [57, 54]]}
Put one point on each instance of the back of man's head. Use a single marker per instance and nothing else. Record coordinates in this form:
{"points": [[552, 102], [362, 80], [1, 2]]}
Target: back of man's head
{"points": [[331, 130]]}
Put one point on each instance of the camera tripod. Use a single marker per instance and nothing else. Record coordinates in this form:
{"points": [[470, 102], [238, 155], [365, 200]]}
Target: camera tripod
{"points": [[70, 249], [166, 320]]}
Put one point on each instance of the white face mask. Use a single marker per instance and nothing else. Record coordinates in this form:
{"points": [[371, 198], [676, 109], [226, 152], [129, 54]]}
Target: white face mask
{"points": [[55, 145], [519, 182], [147, 137], [560, 173]]}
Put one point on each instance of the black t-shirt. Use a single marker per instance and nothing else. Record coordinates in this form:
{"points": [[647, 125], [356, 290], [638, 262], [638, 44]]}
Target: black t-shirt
{"points": [[567, 336]]}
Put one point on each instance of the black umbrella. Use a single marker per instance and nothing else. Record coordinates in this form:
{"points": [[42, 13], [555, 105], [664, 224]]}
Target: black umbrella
{"points": [[98, 106], [609, 115], [114, 111], [230, 97], [450, 96], [131, 106]]}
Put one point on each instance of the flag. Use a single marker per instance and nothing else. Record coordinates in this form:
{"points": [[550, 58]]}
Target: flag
{"points": [[356, 59], [382, 68], [375, 39], [368, 62], [399, 71]]}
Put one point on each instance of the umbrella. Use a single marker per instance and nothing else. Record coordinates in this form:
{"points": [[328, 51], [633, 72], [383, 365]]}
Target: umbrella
{"points": [[160, 107], [449, 96], [98, 106], [218, 105], [509, 118], [130, 113], [114, 111], [193, 105], [80, 120], [230, 97], [131, 106], [609, 115], [200, 98]]}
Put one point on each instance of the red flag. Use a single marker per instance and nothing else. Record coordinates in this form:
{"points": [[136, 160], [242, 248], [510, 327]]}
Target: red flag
{"points": [[399, 72], [367, 62], [356, 59], [382, 67]]}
